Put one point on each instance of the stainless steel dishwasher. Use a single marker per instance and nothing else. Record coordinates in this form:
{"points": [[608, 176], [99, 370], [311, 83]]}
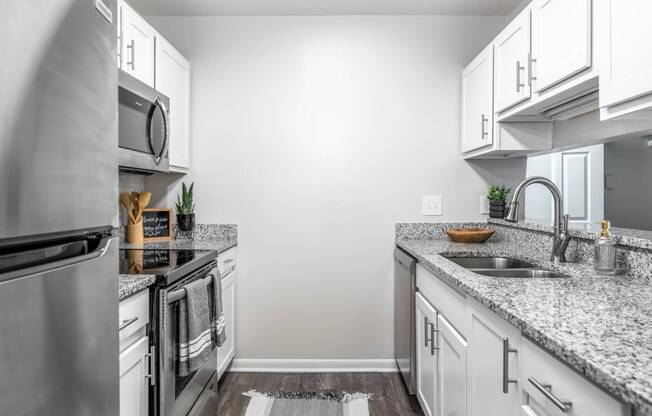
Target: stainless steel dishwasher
{"points": [[405, 286]]}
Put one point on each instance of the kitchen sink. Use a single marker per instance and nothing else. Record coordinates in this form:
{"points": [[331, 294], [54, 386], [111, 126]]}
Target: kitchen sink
{"points": [[520, 273], [490, 263], [504, 267]]}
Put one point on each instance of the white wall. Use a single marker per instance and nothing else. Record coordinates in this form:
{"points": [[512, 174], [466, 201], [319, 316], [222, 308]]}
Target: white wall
{"points": [[316, 135]]}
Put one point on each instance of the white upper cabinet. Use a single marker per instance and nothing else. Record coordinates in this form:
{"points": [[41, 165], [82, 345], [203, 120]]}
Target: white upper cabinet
{"points": [[512, 51], [173, 80], [136, 45], [626, 57], [561, 41], [477, 102], [426, 334]]}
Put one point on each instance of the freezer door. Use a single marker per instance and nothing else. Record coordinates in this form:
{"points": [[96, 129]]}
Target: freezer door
{"points": [[58, 119], [59, 331]]}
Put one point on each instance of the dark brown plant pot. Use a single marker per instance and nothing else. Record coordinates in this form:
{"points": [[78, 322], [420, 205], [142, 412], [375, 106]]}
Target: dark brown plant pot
{"points": [[186, 222], [497, 209]]}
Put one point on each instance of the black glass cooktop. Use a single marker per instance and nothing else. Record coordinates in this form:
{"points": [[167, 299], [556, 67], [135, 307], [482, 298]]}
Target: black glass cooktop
{"points": [[163, 263]]}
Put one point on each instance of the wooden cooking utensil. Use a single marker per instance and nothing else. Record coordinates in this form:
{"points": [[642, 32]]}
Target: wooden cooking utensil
{"points": [[125, 201], [143, 201]]}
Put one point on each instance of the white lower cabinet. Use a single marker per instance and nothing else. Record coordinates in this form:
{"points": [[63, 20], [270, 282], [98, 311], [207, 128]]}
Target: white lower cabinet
{"points": [[441, 363], [552, 389], [226, 351], [452, 370], [493, 371], [134, 356], [426, 330], [492, 363], [134, 381]]}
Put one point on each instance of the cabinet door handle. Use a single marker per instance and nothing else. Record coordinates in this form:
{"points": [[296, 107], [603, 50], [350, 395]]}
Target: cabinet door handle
{"points": [[530, 61], [546, 390], [150, 360], [484, 132], [519, 68], [127, 322], [425, 330], [227, 261], [506, 351], [132, 47], [433, 332]]}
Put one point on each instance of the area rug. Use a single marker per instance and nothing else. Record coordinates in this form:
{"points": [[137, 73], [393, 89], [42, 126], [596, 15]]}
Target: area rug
{"points": [[307, 404]]}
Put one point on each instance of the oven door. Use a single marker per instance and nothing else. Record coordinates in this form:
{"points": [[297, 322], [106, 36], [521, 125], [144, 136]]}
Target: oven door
{"points": [[197, 392], [143, 126]]}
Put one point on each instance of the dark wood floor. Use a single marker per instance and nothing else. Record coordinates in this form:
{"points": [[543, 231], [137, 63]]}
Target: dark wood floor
{"points": [[390, 398]]}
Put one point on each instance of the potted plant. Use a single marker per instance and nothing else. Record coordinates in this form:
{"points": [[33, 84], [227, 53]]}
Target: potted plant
{"points": [[497, 196], [186, 208]]}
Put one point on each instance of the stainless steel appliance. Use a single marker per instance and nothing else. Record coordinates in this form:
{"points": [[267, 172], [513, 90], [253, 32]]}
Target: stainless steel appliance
{"points": [[59, 186], [172, 394], [405, 287], [143, 127]]}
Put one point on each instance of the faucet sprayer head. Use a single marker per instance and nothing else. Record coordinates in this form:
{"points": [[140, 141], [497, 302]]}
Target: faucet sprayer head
{"points": [[512, 212]]}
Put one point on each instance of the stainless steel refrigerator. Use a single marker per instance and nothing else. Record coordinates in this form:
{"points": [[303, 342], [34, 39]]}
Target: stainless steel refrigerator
{"points": [[58, 206]]}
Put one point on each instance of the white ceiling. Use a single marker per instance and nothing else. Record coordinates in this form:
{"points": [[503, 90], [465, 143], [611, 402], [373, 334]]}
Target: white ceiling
{"points": [[321, 7]]}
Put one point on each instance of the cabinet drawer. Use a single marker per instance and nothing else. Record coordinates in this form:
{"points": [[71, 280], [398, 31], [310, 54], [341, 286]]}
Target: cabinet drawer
{"points": [[133, 314], [578, 395], [446, 300], [226, 261]]}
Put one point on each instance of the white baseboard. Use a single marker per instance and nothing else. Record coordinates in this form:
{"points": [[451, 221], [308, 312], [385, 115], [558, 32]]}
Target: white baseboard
{"points": [[255, 365]]}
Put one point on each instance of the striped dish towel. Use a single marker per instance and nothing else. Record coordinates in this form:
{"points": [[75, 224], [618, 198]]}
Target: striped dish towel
{"points": [[195, 328], [218, 323]]}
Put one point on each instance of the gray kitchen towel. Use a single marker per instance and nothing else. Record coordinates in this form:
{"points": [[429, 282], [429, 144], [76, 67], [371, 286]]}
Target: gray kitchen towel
{"points": [[218, 322], [195, 328]]}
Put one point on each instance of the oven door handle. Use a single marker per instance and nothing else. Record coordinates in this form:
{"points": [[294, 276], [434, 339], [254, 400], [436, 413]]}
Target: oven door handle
{"points": [[177, 295]]}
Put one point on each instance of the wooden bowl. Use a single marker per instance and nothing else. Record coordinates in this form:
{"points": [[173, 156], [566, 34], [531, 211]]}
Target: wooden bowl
{"points": [[469, 235]]}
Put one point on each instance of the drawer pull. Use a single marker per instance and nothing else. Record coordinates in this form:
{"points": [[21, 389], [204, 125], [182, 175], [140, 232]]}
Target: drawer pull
{"points": [[127, 322], [227, 261], [545, 389], [506, 351]]}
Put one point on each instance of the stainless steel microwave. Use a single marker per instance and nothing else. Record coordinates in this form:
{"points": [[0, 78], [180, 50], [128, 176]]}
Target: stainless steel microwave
{"points": [[143, 127]]}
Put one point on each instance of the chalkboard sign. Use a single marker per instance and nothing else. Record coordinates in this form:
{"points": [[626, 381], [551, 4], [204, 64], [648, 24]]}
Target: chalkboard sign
{"points": [[157, 224]]}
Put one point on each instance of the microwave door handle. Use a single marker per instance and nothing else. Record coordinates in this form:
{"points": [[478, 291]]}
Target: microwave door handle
{"points": [[166, 132]]}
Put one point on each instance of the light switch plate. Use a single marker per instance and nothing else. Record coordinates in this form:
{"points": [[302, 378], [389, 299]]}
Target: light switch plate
{"points": [[431, 205], [484, 204]]}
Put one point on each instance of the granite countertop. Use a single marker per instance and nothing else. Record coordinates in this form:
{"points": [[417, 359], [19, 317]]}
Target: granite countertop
{"points": [[601, 326], [219, 237], [130, 284]]}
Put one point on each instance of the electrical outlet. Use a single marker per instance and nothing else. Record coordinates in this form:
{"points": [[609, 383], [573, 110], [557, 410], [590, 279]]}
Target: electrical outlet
{"points": [[484, 204], [431, 205]]}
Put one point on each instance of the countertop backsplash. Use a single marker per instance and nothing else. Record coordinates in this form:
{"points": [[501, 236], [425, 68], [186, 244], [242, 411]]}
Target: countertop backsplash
{"points": [[203, 232]]}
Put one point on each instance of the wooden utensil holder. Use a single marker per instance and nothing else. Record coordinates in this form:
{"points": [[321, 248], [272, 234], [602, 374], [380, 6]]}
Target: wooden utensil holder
{"points": [[135, 232]]}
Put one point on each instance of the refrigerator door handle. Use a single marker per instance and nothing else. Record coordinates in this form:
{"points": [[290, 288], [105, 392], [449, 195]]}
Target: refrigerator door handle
{"points": [[98, 251]]}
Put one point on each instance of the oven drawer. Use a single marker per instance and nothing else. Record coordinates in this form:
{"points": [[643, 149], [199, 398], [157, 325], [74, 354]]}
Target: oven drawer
{"points": [[133, 314], [226, 262]]}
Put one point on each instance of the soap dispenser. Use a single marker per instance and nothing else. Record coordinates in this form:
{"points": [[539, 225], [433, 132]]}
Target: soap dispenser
{"points": [[604, 255]]}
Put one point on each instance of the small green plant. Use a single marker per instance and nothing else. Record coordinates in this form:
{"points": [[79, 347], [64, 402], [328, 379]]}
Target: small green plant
{"points": [[497, 193], [185, 203]]}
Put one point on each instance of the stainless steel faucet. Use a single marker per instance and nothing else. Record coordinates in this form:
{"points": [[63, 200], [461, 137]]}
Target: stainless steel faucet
{"points": [[562, 238]]}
